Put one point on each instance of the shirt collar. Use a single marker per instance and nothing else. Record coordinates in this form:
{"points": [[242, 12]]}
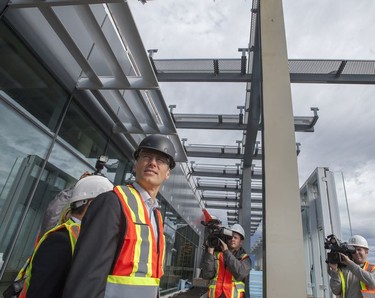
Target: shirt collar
{"points": [[152, 204], [75, 219]]}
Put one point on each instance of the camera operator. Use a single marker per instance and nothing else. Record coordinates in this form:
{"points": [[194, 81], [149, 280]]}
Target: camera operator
{"points": [[356, 278], [227, 269]]}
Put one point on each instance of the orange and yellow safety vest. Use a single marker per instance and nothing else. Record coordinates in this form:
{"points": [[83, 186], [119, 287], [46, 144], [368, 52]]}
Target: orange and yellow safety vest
{"points": [[366, 292], [224, 282], [139, 266]]}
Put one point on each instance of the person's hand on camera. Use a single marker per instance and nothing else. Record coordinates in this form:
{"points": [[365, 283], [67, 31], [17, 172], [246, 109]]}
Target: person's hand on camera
{"points": [[209, 249], [334, 267], [223, 245], [344, 258]]}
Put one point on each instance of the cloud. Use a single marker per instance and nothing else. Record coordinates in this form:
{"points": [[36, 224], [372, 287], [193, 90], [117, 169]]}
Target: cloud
{"points": [[194, 29]]}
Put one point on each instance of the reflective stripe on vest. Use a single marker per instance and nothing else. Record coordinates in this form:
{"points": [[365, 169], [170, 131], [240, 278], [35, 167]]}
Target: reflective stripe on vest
{"points": [[343, 284], [365, 291], [139, 265], [224, 282], [73, 231]]}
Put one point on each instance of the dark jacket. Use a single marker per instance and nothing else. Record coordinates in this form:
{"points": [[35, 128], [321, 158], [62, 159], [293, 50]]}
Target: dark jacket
{"points": [[102, 230], [51, 265]]}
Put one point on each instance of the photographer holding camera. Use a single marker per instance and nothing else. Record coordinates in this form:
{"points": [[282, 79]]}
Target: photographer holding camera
{"points": [[353, 278], [228, 268]]}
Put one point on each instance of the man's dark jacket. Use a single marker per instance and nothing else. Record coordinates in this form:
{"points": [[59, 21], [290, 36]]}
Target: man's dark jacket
{"points": [[102, 232]]}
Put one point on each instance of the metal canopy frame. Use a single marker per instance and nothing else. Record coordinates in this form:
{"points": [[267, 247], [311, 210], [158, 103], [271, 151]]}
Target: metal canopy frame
{"points": [[98, 44], [301, 71]]}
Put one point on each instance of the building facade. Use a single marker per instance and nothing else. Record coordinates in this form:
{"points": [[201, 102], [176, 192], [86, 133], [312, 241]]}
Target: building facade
{"points": [[50, 134]]}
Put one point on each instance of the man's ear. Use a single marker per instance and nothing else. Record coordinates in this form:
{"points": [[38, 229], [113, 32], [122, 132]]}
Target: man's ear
{"points": [[168, 174]]}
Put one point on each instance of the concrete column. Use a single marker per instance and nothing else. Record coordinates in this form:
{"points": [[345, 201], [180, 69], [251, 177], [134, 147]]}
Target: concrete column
{"points": [[244, 212], [284, 271]]}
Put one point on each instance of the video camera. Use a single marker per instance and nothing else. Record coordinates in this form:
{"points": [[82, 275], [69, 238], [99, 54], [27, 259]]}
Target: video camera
{"points": [[336, 246], [215, 232], [100, 163]]}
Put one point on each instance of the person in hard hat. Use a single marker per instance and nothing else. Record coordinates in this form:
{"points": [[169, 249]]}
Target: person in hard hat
{"points": [[49, 265], [357, 278], [57, 208], [120, 251], [229, 268]]}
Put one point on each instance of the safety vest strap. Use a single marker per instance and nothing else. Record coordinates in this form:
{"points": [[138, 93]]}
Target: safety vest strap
{"points": [[343, 284], [238, 289], [73, 229], [141, 287]]}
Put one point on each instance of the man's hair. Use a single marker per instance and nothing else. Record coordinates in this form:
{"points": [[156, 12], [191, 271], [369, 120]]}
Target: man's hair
{"points": [[80, 209]]}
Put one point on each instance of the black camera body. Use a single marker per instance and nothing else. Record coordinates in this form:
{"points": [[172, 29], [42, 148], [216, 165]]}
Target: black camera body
{"points": [[215, 232], [336, 246]]}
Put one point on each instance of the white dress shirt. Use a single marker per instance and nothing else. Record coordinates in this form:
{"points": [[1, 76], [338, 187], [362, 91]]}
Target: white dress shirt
{"points": [[151, 205]]}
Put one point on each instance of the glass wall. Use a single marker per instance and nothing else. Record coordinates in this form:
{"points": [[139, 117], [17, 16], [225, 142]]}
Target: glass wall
{"points": [[181, 249], [48, 141], [23, 150], [28, 83], [31, 105]]}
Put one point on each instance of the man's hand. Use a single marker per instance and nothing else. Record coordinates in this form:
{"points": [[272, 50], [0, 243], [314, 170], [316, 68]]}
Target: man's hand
{"points": [[334, 267], [344, 258], [223, 245], [209, 249]]}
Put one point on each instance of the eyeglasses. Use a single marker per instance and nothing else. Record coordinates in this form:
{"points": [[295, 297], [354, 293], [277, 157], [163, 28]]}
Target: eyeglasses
{"points": [[160, 160]]}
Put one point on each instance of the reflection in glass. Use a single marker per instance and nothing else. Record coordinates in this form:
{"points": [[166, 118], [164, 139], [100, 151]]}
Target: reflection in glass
{"points": [[23, 149], [27, 82], [181, 246], [346, 227], [82, 136]]}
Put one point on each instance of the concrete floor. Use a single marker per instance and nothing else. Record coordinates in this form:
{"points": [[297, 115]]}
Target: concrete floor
{"points": [[188, 293]]}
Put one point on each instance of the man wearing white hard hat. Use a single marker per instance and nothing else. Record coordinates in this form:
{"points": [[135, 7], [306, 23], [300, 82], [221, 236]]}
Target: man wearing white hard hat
{"points": [[229, 268], [51, 260], [356, 279]]}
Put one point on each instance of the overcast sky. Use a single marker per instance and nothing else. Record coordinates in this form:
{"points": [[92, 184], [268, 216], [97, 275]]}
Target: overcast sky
{"points": [[321, 29]]}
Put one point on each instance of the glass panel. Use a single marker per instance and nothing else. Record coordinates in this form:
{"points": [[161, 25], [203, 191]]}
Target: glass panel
{"points": [[63, 159], [25, 80], [181, 246], [79, 133], [346, 229], [22, 150]]}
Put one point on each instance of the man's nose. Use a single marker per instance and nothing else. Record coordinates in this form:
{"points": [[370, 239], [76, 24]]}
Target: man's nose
{"points": [[153, 159]]}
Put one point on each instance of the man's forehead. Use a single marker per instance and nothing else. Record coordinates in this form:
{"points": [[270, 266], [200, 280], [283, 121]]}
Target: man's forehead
{"points": [[150, 151], [236, 234]]}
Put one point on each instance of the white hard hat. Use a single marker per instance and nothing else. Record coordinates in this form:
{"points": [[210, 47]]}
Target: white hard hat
{"points": [[238, 229], [358, 240], [90, 187]]}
